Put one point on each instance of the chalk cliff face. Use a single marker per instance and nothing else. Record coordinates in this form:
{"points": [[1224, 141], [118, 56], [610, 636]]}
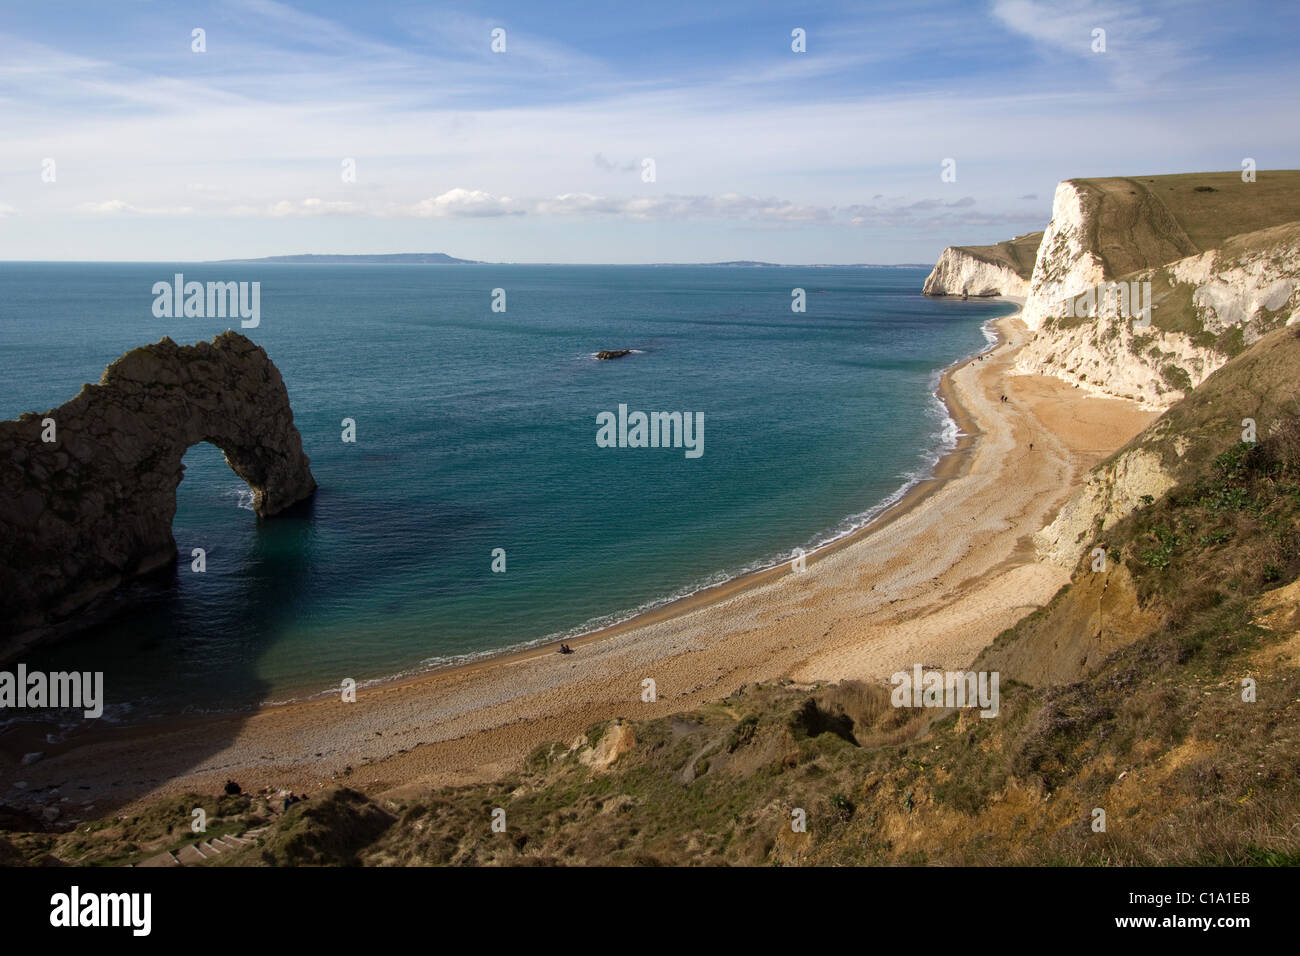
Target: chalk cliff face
{"points": [[1206, 308], [1109, 493], [92, 508], [1066, 260], [1001, 269], [959, 273], [1207, 304]]}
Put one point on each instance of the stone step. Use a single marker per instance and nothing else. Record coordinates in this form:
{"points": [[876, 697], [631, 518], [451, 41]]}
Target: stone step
{"points": [[190, 855], [166, 858], [197, 854]]}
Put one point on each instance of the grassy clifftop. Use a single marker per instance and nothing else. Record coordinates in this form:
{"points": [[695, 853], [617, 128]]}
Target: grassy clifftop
{"points": [[1016, 254], [1181, 215]]}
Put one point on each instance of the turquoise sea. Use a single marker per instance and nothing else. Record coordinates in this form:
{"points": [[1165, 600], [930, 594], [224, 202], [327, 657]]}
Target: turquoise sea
{"points": [[476, 430]]}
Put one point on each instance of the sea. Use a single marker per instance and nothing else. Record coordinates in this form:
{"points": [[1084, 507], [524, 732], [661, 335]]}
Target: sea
{"points": [[476, 511]]}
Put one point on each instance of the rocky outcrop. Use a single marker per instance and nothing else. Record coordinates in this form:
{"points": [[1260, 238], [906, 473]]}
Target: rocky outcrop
{"points": [[88, 490], [606, 354], [1109, 493], [1001, 269], [616, 739], [1258, 385], [1100, 229]]}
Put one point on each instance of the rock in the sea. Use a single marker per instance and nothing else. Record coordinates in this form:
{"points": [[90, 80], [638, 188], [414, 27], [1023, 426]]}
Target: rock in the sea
{"points": [[612, 353], [88, 489]]}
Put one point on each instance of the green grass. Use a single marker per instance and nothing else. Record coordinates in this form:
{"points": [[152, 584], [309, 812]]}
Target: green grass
{"points": [[1229, 208], [1017, 254]]}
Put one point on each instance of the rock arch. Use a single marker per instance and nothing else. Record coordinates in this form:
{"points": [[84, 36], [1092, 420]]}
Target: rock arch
{"points": [[94, 508]]}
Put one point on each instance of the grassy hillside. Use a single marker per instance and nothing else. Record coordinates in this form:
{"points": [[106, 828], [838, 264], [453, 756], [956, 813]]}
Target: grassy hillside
{"points": [[1211, 207], [1148, 221]]}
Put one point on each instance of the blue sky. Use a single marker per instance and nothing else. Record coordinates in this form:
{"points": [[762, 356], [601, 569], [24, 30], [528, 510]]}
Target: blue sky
{"points": [[535, 154]]}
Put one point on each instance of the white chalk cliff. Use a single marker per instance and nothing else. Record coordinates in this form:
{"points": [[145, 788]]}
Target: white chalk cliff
{"points": [[1001, 269], [1207, 306], [958, 272], [1222, 259]]}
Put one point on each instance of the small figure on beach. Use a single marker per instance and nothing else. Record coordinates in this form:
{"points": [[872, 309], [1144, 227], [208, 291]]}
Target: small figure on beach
{"points": [[566, 649]]}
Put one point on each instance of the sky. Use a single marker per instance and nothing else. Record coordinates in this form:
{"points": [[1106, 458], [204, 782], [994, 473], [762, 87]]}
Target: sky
{"points": [[620, 133]]}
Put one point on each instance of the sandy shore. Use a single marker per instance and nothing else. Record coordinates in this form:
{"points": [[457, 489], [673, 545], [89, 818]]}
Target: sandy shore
{"points": [[932, 581]]}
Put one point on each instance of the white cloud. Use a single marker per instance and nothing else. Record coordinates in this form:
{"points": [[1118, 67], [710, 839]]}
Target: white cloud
{"points": [[115, 206], [735, 206], [466, 202], [313, 207]]}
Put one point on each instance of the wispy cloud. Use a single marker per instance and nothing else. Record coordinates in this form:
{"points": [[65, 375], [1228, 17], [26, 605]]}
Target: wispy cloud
{"points": [[112, 207], [313, 207], [461, 203], [1135, 46]]}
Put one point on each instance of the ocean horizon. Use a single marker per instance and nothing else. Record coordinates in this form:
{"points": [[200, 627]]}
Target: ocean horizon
{"points": [[476, 511]]}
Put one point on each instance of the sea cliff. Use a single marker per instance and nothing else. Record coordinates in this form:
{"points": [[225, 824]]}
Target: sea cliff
{"points": [[1217, 260]]}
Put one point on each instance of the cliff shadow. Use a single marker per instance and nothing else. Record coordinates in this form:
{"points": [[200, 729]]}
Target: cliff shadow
{"points": [[175, 623], [178, 646]]}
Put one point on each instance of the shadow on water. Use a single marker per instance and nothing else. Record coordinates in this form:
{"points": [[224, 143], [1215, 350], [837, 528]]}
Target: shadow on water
{"points": [[180, 644]]}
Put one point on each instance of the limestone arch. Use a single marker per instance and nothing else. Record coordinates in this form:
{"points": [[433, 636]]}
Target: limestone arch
{"points": [[94, 508]]}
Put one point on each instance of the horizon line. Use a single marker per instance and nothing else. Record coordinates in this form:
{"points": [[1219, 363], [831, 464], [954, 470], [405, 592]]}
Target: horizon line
{"points": [[269, 260]]}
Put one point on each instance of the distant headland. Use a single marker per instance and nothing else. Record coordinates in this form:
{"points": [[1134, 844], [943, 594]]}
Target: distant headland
{"points": [[399, 258], [442, 259]]}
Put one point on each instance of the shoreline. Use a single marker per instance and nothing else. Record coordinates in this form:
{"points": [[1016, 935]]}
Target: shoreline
{"points": [[910, 495], [914, 583]]}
